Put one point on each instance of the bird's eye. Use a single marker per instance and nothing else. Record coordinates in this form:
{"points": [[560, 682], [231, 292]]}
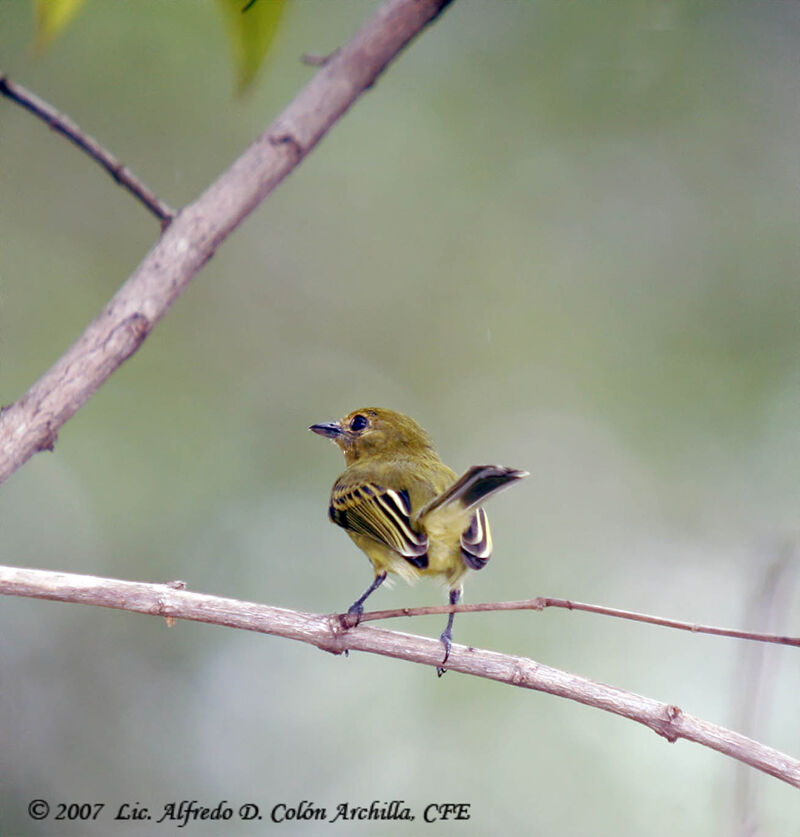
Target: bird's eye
{"points": [[358, 423]]}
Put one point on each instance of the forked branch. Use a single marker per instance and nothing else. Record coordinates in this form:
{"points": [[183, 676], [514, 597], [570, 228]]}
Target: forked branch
{"points": [[327, 633], [31, 424]]}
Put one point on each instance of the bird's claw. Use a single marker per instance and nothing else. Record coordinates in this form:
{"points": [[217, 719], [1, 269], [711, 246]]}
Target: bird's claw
{"points": [[353, 616], [446, 640]]}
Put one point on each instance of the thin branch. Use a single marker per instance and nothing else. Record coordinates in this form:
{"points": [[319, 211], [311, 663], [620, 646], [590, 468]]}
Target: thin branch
{"points": [[769, 604], [65, 126], [328, 634], [541, 602], [314, 60], [31, 424]]}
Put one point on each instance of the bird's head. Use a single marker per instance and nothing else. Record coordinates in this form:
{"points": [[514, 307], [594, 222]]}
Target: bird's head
{"points": [[375, 431]]}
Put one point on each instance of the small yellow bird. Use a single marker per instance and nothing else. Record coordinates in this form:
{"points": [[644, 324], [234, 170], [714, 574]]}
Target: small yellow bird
{"points": [[405, 508]]}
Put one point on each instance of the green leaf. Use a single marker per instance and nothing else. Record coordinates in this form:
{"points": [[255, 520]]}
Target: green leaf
{"points": [[251, 25], [52, 17]]}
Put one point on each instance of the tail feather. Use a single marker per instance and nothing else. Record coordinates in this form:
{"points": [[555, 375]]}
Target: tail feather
{"points": [[473, 488]]}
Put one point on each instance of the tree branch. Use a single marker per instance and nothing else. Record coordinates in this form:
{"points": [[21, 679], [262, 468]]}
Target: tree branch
{"points": [[542, 602], [65, 126], [31, 424], [328, 634]]}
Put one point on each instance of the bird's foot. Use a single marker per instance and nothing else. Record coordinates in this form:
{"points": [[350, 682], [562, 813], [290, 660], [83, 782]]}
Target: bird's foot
{"points": [[353, 616], [447, 640]]}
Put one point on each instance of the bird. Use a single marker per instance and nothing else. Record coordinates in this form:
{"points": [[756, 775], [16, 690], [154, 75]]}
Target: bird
{"points": [[410, 513]]}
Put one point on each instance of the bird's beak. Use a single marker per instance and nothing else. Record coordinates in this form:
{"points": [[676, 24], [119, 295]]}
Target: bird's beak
{"points": [[331, 429]]}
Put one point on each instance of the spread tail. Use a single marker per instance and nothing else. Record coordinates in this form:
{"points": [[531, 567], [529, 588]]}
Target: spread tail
{"points": [[475, 487]]}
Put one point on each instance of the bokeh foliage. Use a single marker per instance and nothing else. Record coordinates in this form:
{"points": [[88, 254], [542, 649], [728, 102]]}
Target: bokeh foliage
{"points": [[561, 235], [251, 26]]}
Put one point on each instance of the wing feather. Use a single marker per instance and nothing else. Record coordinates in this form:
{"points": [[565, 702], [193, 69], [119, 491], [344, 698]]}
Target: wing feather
{"points": [[382, 514]]}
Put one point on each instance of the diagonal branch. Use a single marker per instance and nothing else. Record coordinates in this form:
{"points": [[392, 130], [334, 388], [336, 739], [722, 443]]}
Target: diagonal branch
{"points": [[65, 126], [327, 633], [32, 423]]}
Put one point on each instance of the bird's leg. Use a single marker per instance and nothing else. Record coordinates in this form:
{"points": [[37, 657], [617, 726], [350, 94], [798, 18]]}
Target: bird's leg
{"points": [[357, 608], [447, 633]]}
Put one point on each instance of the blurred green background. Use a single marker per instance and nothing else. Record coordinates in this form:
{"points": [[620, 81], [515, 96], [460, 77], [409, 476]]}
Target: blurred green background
{"points": [[564, 237]]}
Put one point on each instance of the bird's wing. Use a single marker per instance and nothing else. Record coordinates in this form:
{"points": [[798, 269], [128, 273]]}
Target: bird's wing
{"points": [[379, 513], [476, 541]]}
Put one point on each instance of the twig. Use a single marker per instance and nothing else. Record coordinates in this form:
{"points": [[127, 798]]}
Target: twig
{"points": [[31, 423], [768, 604], [314, 60], [541, 602], [65, 126], [326, 632]]}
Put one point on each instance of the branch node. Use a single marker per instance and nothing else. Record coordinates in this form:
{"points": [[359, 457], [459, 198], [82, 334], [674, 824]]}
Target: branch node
{"points": [[668, 730], [337, 630], [130, 333], [48, 441], [287, 138], [519, 677], [161, 606]]}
